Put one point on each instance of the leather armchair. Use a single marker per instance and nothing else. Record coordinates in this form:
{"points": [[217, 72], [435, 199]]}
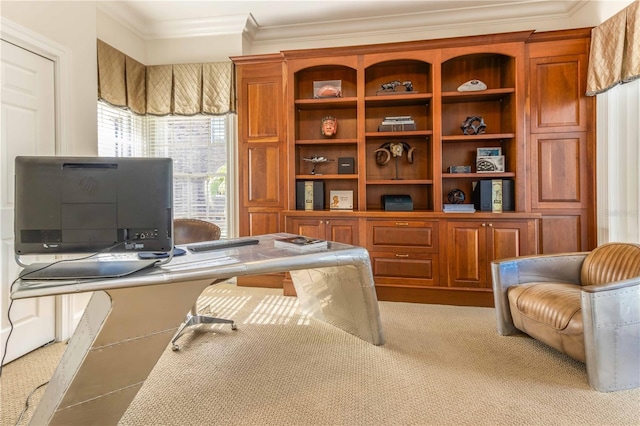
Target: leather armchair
{"points": [[586, 305]]}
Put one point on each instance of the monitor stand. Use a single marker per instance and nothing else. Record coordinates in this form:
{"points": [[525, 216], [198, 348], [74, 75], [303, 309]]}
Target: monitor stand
{"points": [[82, 269]]}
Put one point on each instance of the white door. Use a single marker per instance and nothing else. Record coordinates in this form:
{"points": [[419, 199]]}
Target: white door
{"points": [[27, 124]]}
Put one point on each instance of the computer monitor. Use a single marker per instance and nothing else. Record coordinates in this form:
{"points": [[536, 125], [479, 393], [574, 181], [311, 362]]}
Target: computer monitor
{"points": [[92, 204]]}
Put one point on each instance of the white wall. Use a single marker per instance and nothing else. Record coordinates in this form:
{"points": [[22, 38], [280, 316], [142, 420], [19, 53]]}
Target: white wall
{"points": [[119, 37], [193, 49], [72, 25]]}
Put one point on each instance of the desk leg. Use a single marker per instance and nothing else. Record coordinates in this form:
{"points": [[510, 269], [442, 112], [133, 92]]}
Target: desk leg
{"points": [[118, 341], [344, 296]]}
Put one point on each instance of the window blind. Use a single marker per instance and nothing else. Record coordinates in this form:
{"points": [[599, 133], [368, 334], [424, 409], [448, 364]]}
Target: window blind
{"points": [[197, 144]]}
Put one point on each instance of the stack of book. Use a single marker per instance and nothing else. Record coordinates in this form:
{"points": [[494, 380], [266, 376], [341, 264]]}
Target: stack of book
{"points": [[459, 208], [398, 123], [494, 195], [309, 195]]}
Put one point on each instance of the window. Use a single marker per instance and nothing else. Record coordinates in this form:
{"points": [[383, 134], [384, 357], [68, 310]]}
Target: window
{"points": [[199, 146], [618, 156]]}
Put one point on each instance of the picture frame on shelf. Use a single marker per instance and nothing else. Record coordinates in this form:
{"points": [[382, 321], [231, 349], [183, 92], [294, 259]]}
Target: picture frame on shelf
{"points": [[340, 200], [488, 151], [490, 164], [327, 89]]}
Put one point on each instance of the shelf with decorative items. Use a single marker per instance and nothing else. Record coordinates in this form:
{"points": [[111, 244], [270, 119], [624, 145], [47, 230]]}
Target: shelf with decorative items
{"points": [[325, 130], [480, 129], [398, 124]]}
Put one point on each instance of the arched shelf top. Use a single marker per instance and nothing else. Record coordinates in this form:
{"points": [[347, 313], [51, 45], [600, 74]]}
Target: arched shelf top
{"points": [[495, 70], [307, 80], [398, 76]]}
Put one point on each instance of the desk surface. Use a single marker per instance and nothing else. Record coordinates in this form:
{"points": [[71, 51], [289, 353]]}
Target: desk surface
{"points": [[244, 260]]}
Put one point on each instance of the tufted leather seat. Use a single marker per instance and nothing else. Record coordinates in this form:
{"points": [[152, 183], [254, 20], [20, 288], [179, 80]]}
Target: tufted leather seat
{"points": [[586, 305]]}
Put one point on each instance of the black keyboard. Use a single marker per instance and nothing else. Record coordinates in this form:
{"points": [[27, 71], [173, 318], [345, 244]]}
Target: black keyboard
{"points": [[221, 244]]}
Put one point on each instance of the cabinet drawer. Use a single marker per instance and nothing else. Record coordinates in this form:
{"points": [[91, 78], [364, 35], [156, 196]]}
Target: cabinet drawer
{"points": [[404, 268], [402, 236]]}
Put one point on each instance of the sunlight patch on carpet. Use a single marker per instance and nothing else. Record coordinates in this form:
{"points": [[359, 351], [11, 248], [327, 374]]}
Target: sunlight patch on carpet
{"points": [[277, 310]]}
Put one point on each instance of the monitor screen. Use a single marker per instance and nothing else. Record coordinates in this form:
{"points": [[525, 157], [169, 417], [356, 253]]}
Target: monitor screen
{"points": [[92, 204]]}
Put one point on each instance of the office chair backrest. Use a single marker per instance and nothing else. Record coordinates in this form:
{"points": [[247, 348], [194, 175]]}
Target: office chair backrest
{"points": [[186, 231]]}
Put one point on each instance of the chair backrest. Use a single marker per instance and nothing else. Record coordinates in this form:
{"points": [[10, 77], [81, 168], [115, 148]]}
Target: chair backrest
{"points": [[186, 231], [611, 262]]}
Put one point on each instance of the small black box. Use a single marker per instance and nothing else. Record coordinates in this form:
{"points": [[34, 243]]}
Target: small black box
{"points": [[346, 166], [397, 203]]}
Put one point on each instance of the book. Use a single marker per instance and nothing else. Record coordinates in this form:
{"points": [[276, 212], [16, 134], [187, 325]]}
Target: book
{"points": [[399, 117], [481, 195], [496, 195], [300, 243], [459, 208], [508, 195], [397, 127], [308, 195], [398, 122]]}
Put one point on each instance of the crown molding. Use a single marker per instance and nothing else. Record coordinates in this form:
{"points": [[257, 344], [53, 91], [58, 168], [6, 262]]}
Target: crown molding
{"points": [[247, 26], [495, 16], [178, 28]]}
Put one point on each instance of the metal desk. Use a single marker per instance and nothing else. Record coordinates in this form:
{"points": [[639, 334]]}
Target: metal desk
{"points": [[129, 321]]}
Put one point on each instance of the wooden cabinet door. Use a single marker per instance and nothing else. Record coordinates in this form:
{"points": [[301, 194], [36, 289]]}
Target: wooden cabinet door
{"points": [[262, 221], [466, 254], [339, 230], [309, 227], [508, 239], [342, 231], [561, 151], [472, 245], [261, 143], [558, 102]]}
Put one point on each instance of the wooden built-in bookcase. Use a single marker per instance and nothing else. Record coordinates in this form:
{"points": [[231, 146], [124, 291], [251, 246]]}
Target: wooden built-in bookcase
{"points": [[426, 254]]}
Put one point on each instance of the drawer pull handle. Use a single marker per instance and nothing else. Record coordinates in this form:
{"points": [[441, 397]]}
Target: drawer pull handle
{"points": [[402, 223], [401, 255]]}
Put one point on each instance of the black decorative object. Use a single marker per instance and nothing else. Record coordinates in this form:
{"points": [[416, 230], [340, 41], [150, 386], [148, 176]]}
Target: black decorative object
{"points": [[456, 196], [473, 125], [391, 86], [346, 165], [397, 203]]}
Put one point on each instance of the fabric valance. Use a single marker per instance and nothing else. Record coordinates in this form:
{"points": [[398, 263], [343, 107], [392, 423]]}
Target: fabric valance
{"points": [[183, 89], [615, 51]]}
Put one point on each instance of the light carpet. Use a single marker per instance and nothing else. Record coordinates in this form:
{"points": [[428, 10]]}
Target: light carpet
{"points": [[441, 365]]}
